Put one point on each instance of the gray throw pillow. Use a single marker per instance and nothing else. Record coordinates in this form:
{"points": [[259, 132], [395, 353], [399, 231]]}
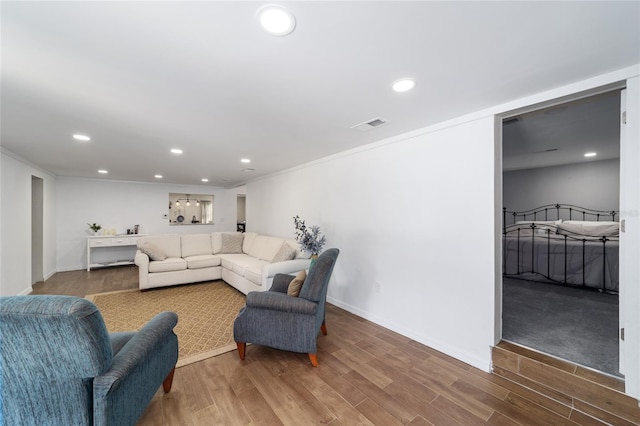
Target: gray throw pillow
{"points": [[153, 251], [231, 243], [286, 252]]}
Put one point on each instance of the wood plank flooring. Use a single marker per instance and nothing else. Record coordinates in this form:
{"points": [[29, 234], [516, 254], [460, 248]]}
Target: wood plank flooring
{"points": [[368, 375]]}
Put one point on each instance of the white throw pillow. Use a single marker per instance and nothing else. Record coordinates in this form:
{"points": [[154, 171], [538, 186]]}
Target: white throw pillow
{"points": [[153, 251]]}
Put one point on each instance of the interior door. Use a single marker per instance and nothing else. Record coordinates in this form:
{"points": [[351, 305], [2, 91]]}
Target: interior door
{"points": [[630, 237]]}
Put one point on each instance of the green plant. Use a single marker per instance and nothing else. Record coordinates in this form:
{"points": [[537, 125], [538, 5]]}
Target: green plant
{"points": [[94, 227], [309, 237]]}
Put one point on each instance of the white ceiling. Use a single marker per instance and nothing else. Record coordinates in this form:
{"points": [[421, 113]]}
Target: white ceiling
{"points": [[143, 77], [563, 133]]}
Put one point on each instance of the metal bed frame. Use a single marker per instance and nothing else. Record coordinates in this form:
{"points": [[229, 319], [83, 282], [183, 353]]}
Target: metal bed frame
{"points": [[553, 212]]}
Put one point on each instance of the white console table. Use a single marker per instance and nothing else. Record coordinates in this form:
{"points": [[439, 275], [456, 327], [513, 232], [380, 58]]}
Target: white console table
{"points": [[97, 241]]}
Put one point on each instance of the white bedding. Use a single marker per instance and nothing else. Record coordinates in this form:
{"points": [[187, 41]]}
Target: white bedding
{"points": [[591, 255]]}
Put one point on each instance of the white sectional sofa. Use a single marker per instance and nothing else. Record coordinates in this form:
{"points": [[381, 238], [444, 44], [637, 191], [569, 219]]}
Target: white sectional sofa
{"points": [[246, 261]]}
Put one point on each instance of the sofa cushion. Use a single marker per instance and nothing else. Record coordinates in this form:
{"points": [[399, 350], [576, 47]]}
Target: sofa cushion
{"points": [[256, 246], [264, 247], [242, 264], [227, 260], [254, 274], [271, 248], [168, 265], [231, 243], [202, 261], [196, 244], [153, 251], [216, 242], [170, 244], [249, 237], [285, 253], [296, 284]]}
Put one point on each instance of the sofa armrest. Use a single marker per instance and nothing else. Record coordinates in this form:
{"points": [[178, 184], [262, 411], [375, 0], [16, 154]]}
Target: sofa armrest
{"points": [[280, 302], [136, 372], [287, 267], [142, 262]]}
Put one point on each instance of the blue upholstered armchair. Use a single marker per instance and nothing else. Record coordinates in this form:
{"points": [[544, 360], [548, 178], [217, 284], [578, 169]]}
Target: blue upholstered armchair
{"points": [[274, 319], [61, 367]]}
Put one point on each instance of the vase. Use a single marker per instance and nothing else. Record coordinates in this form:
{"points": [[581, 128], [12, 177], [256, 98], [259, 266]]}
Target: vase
{"points": [[313, 258]]}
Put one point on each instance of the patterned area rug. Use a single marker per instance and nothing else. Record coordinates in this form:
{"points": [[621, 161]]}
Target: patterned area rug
{"points": [[205, 315]]}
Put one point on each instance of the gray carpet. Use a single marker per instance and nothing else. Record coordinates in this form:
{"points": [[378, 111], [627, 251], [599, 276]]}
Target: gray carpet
{"points": [[578, 325]]}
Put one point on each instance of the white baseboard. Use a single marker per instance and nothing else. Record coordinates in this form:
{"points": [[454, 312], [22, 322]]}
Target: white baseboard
{"points": [[72, 268], [453, 351]]}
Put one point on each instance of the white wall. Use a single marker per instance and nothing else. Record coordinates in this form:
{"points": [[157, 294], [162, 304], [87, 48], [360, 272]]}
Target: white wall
{"points": [[432, 274], [15, 275], [592, 184], [410, 258], [121, 205]]}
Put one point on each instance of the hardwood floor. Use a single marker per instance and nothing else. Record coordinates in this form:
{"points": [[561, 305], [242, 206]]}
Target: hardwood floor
{"points": [[367, 375]]}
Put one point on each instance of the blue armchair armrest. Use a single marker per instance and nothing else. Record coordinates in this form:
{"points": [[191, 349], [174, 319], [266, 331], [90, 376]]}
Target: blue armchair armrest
{"points": [[143, 362]]}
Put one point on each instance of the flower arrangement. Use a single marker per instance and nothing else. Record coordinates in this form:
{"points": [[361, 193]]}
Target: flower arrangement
{"points": [[308, 237], [94, 227]]}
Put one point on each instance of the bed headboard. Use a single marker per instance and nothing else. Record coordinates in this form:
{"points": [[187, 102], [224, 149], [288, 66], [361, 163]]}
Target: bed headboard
{"points": [[558, 212]]}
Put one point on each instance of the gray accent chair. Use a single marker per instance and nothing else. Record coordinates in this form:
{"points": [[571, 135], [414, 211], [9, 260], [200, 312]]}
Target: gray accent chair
{"points": [[274, 319], [60, 366]]}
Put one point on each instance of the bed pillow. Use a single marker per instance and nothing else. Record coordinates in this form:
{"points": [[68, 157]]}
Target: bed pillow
{"points": [[153, 251], [591, 228], [541, 226], [539, 223]]}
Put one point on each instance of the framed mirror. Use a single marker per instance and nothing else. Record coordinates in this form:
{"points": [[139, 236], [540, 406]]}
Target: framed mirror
{"points": [[190, 209]]}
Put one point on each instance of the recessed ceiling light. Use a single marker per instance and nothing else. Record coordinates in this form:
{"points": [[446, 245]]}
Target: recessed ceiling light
{"points": [[102, 171], [158, 176], [205, 180], [176, 151], [590, 154], [245, 160], [83, 138], [276, 20], [403, 85]]}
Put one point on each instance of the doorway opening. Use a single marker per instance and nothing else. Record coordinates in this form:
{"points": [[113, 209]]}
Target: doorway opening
{"points": [[560, 285], [241, 212], [37, 229]]}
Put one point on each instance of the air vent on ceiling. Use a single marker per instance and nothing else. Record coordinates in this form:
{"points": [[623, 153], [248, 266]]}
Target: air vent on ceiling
{"points": [[546, 150], [369, 124]]}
